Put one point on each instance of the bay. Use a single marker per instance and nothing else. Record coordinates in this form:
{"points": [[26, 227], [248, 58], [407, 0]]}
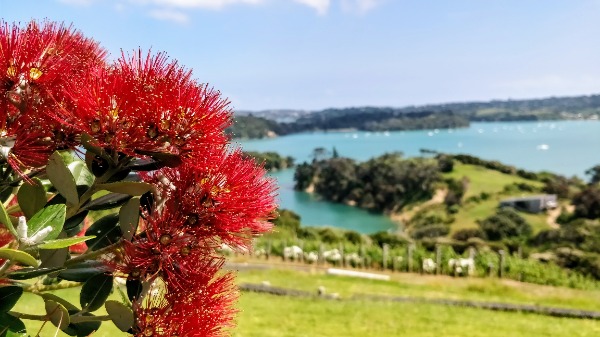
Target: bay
{"points": [[564, 147]]}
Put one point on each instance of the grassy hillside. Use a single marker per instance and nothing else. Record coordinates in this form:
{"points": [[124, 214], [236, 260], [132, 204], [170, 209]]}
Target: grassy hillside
{"points": [[485, 180], [493, 184], [268, 315]]}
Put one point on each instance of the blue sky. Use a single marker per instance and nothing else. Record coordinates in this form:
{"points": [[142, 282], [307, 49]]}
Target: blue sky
{"points": [[315, 54]]}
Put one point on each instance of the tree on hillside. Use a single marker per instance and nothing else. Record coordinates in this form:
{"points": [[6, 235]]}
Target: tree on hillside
{"points": [[506, 223], [594, 173], [587, 203], [558, 185]]}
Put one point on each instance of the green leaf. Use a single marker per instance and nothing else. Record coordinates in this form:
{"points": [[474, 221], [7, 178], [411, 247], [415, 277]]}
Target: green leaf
{"points": [[57, 313], [61, 178], [82, 329], [74, 224], [145, 164], [134, 289], [120, 314], [62, 243], [9, 295], [54, 257], [107, 201], [106, 230], [166, 159], [31, 197], [11, 326], [127, 187], [81, 174], [5, 219], [88, 143], [95, 291], [53, 216], [49, 296], [29, 273], [129, 216], [18, 256], [83, 271]]}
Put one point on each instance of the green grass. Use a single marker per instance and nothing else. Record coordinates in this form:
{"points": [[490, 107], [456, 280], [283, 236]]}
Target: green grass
{"points": [[492, 182], [268, 315], [32, 304], [431, 287], [482, 179], [469, 213]]}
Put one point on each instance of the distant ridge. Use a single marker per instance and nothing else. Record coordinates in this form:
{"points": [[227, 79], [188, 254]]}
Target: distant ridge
{"points": [[271, 123], [568, 107]]}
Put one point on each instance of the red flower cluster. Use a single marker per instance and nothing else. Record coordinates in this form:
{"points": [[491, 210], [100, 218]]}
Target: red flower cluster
{"points": [[205, 311], [41, 69], [223, 197], [56, 86], [142, 105]]}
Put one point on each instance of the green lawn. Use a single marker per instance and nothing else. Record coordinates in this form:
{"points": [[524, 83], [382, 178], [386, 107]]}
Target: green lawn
{"points": [[482, 179], [268, 315], [469, 213], [431, 287]]}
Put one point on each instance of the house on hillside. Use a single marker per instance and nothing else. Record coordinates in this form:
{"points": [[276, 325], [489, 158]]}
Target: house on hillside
{"points": [[531, 204]]}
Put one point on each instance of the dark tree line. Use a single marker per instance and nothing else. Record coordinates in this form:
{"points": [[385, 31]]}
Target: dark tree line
{"points": [[433, 116], [272, 161], [382, 184]]}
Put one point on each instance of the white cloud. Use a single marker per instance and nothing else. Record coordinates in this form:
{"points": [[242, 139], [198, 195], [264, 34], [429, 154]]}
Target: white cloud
{"points": [[169, 15], [552, 83], [156, 7], [360, 6], [209, 4], [77, 2], [321, 6]]}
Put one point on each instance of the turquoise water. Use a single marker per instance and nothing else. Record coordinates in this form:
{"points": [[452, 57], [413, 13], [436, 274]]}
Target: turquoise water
{"points": [[564, 147]]}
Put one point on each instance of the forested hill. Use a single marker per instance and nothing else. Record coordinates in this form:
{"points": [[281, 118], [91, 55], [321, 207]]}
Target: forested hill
{"points": [[450, 115]]}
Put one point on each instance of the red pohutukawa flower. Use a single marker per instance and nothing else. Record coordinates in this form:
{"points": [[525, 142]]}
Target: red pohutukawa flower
{"points": [[169, 250], [206, 310], [221, 194], [150, 104], [42, 66], [55, 86]]}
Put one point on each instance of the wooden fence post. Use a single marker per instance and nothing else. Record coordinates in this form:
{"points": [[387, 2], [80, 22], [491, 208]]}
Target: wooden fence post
{"points": [[438, 259], [409, 256], [284, 243], [269, 247], [501, 264], [386, 252], [321, 259], [363, 257], [343, 262], [520, 255]]}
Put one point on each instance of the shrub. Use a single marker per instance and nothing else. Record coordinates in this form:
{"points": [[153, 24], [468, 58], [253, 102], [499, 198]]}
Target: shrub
{"points": [[353, 237], [467, 233], [431, 231], [506, 223], [394, 240]]}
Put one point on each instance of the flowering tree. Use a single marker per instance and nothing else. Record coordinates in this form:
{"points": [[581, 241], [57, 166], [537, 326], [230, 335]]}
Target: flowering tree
{"points": [[139, 137]]}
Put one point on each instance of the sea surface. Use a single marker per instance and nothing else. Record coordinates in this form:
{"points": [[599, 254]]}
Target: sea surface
{"points": [[565, 147]]}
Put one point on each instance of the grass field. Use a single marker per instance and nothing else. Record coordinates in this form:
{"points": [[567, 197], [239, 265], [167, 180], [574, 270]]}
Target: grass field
{"points": [[265, 315], [491, 182], [482, 179], [268, 315]]}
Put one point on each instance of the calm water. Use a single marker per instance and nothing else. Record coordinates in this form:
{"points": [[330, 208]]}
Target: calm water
{"points": [[565, 147]]}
